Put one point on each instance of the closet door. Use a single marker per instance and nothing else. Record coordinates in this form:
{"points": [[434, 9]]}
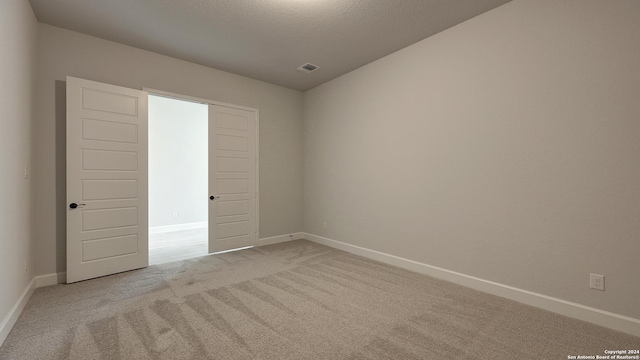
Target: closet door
{"points": [[232, 178], [107, 230]]}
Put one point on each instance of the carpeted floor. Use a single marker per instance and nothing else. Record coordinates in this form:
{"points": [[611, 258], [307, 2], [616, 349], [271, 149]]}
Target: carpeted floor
{"points": [[296, 300]]}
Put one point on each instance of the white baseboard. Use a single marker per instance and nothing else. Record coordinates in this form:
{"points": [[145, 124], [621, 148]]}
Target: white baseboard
{"points": [[607, 319], [280, 238], [51, 279], [14, 314], [177, 227]]}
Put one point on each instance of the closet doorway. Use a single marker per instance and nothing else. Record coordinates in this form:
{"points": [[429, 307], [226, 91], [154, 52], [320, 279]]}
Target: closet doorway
{"points": [[178, 179], [181, 168]]}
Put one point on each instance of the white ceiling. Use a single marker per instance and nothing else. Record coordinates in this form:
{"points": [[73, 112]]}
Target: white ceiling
{"points": [[265, 39]]}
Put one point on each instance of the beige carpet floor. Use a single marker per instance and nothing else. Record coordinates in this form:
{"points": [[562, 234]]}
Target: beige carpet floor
{"points": [[296, 300]]}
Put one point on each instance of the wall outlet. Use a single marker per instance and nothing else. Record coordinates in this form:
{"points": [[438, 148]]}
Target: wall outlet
{"points": [[325, 225], [26, 171], [175, 214], [26, 266], [596, 282]]}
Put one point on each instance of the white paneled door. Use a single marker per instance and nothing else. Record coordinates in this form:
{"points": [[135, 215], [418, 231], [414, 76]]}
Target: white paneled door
{"points": [[107, 229], [232, 178]]}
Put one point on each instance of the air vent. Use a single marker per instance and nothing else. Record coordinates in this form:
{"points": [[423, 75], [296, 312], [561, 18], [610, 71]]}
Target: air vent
{"points": [[308, 68]]}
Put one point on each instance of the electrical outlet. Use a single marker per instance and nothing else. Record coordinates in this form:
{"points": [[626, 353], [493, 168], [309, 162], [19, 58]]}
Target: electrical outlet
{"points": [[175, 214], [26, 266], [325, 225], [596, 282], [26, 171]]}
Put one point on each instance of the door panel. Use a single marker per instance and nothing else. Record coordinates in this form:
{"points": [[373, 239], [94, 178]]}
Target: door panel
{"points": [[232, 186], [237, 207], [232, 178], [105, 248], [109, 189], [107, 177], [110, 101], [109, 131], [232, 143], [232, 164], [109, 218], [109, 160]]}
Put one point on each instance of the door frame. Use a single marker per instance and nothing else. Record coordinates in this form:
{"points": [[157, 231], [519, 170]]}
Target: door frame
{"points": [[182, 97]]}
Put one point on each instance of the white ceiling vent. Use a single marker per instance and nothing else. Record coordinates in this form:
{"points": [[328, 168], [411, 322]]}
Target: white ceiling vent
{"points": [[308, 68]]}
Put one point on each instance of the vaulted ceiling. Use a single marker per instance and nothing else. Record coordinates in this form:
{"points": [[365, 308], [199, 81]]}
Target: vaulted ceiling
{"points": [[265, 39]]}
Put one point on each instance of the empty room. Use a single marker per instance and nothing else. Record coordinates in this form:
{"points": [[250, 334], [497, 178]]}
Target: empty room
{"points": [[320, 179]]}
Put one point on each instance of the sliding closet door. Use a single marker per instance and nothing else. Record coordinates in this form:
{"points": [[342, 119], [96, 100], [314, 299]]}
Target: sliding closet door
{"points": [[232, 178], [107, 229]]}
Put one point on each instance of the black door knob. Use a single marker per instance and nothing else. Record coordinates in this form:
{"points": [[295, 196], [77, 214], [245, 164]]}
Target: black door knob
{"points": [[213, 197], [73, 205]]}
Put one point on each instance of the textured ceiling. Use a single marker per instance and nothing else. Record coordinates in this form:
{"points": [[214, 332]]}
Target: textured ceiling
{"points": [[265, 39]]}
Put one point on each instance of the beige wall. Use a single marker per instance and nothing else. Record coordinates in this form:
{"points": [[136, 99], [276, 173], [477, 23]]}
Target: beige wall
{"points": [[63, 53], [18, 30], [178, 162], [505, 148]]}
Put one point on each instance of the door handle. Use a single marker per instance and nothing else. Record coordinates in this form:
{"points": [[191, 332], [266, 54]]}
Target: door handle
{"points": [[74, 205], [213, 197]]}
